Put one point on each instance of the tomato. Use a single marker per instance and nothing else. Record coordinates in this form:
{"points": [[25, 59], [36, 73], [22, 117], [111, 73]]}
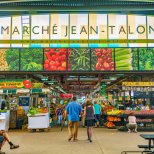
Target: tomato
{"points": [[109, 51], [69, 52], [112, 68], [63, 57], [54, 57], [109, 60], [106, 65], [104, 51], [63, 64], [59, 68], [100, 60], [62, 51], [47, 61], [57, 58], [47, 55], [98, 54], [98, 66], [63, 68], [51, 51], [52, 63], [46, 66], [57, 63], [53, 67]]}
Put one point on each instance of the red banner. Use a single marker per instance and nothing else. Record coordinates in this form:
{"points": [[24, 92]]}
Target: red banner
{"points": [[66, 95]]}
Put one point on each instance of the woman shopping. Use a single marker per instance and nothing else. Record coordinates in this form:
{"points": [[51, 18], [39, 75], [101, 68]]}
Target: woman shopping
{"points": [[89, 119]]}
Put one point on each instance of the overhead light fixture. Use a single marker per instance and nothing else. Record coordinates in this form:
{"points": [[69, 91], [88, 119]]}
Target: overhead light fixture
{"points": [[44, 79], [113, 78], [120, 74]]}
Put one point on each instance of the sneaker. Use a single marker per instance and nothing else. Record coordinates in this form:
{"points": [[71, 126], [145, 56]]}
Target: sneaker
{"points": [[129, 131], [90, 140], [14, 146], [2, 152]]}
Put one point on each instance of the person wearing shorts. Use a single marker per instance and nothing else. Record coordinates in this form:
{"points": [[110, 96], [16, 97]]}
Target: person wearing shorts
{"points": [[97, 113], [89, 119]]}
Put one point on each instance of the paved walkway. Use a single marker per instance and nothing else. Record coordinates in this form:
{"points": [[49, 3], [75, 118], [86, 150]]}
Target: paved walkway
{"points": [[105, 141]]}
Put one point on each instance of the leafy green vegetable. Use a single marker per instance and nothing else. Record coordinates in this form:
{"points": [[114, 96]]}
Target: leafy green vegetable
{"points": [[31, 60], [93, 60], [12, 58], [80, 59], [134, 58], [146, 58]]}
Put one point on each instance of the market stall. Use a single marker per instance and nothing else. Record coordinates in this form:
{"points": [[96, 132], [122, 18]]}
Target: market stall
{"points": [[38, 118]]}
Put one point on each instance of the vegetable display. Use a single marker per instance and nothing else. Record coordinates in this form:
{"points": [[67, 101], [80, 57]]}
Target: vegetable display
{"points": [[31, 60], [123, 59], [55, 59], [146, 59], [9, 60], [104, 59], [79, 59], [135, 58]]}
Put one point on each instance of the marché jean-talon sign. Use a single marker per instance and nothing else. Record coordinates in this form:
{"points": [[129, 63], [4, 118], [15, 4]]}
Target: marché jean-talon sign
{"points": [[68, 30]]}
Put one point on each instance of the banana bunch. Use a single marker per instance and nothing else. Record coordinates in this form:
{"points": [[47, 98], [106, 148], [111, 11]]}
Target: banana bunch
{"points": [[123, 58], [114, 112]]}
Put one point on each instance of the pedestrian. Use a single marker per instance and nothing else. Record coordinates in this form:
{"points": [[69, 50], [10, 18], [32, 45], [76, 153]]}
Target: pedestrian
{"points": [[97, 113], [73, 110], [132, 125], [5, 137], [59, 114], [89, 119]]}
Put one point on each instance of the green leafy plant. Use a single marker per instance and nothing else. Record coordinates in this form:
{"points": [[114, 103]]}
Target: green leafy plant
{"points": [[12, 58], [31, 60], [146, 59]]}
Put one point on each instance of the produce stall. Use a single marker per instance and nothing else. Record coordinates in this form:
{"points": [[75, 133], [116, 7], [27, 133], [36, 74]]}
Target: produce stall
{"points": [[118, 119], [38, 118], [4, 119], [144, 118]]}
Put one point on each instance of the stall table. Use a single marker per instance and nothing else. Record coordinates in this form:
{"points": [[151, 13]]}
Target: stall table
{"points": [[4, 120], [38, 121]]}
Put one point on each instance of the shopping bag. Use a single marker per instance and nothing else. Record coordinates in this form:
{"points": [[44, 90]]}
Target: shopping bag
{"points": [[63, 124]]}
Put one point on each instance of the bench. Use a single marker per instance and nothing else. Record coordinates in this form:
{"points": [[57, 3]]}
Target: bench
{"points": [[127, 152], [145, 146]]}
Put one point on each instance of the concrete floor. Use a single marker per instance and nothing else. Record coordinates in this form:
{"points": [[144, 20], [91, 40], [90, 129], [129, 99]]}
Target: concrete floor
{"points": [[105, 141]]}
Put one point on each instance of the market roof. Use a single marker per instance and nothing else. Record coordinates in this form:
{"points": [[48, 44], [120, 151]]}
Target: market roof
{"points": [[70, 5]]}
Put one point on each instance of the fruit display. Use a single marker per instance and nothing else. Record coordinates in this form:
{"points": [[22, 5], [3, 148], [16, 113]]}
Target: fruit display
{"points": [[112, 118], [143, 120], [79, 59], [115, 112], [140, 112], [110, 124], [146, 59], [108, 108], [3, 111], [31, 60], [9, 60], [34, 110], [104, 59], [55, 59]]}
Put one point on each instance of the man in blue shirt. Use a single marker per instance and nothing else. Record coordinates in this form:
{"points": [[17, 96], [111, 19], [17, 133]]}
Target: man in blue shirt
{"points": [[73, 110]]}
